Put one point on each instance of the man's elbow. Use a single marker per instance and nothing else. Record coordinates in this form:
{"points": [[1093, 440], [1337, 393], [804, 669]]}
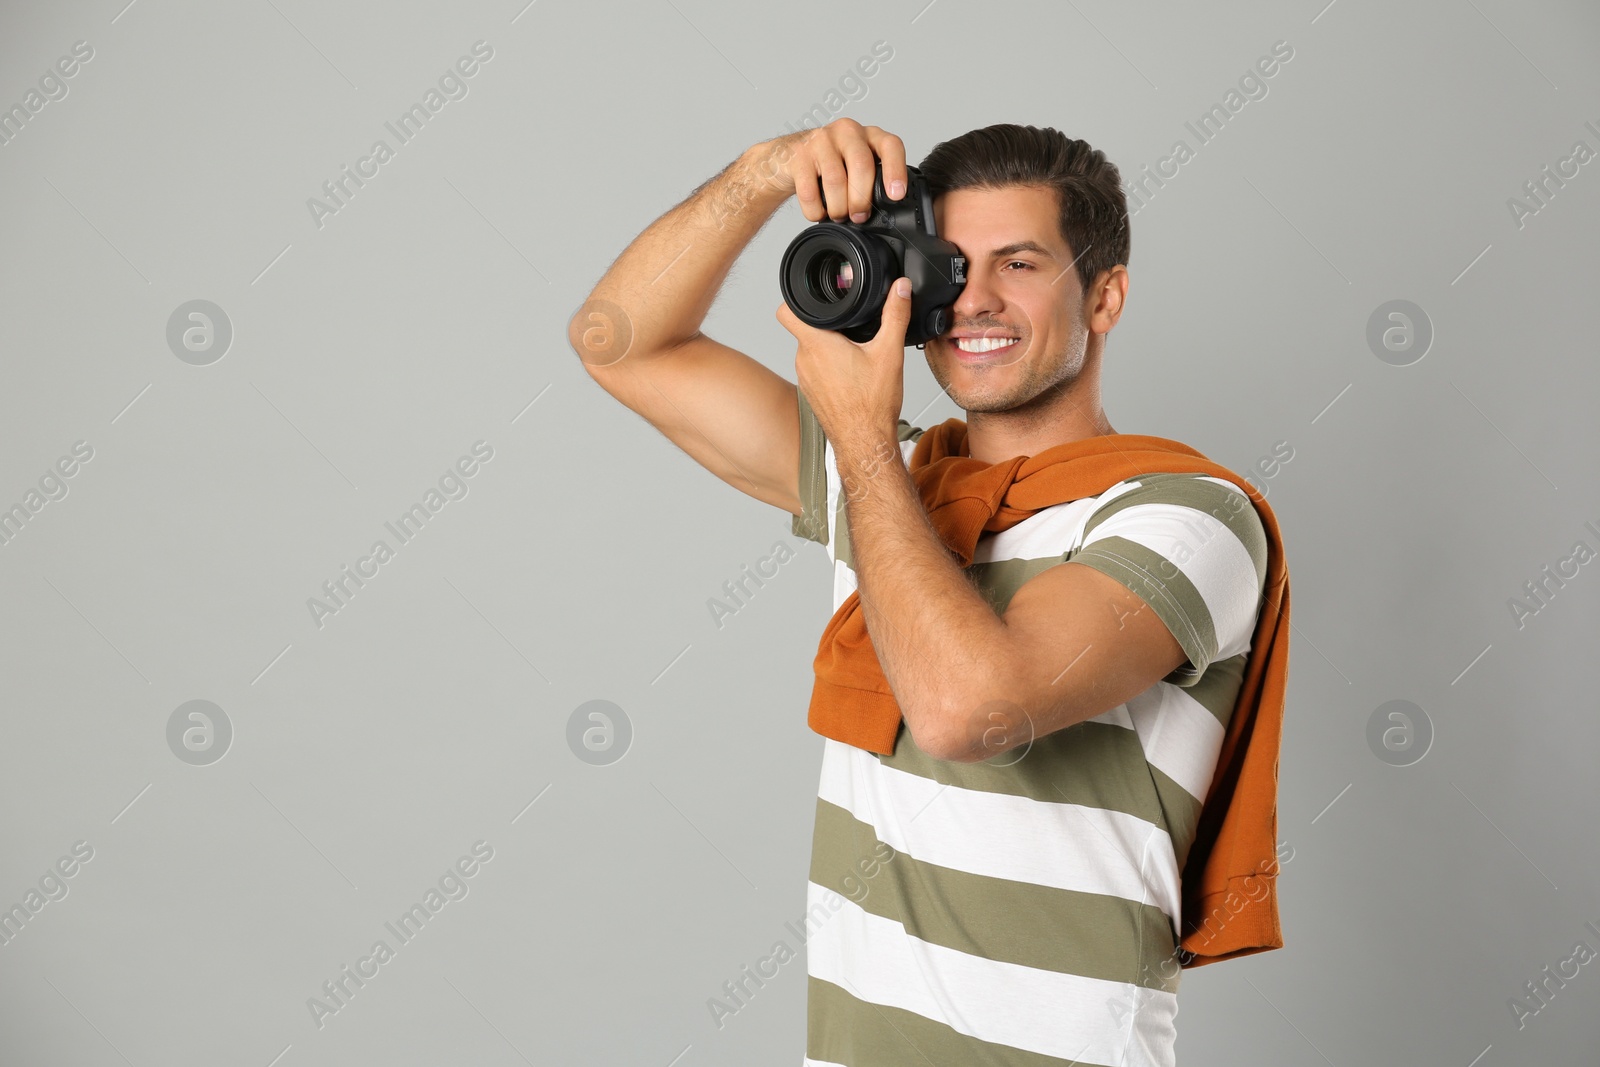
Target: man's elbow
{"points": [[947, 748], [582, 336], [933, 732], [982, 728], [957, 734], [600, 332]]}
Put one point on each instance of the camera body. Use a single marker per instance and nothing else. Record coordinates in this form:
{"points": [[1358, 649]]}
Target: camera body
{"points": [[836, 275]]}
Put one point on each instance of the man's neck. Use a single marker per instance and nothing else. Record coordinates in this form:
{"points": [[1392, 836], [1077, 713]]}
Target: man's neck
{"points": [[1000, 435]]}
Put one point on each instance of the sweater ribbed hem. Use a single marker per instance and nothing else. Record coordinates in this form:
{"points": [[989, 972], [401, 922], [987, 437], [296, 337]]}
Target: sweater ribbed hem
{"points": [[1239, 920], [864, 718]]}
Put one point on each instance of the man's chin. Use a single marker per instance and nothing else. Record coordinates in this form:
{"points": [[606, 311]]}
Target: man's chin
{"points": [[980, 400], [989, 370]]}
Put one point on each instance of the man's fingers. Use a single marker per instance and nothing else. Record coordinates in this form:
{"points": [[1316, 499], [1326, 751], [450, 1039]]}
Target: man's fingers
{"points": [[892, 151], [804, 171], [794, 323], [834, 188], [786, 317], [834, 170], [896, 314], [863, 170]]}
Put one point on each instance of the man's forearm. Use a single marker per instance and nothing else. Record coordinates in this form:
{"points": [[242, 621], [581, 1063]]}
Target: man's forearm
{"points": [[933, 631], [667, 278]]}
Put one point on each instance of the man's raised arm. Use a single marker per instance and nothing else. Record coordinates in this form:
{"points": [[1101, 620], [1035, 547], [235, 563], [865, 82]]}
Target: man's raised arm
{"points": [[639, 332]]}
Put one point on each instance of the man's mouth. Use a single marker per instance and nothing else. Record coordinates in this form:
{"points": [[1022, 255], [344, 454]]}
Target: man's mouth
{"points": [[973, 349]]}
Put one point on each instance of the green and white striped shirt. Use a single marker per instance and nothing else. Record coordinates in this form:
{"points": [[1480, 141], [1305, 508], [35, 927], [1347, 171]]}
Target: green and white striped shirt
{"points": [[1024, 910]]}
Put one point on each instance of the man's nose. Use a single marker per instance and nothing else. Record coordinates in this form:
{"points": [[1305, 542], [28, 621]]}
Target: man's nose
{"points": [[976, 300]]}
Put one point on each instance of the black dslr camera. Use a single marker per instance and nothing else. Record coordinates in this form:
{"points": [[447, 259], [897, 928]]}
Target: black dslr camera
{"points": [[836, 275]]}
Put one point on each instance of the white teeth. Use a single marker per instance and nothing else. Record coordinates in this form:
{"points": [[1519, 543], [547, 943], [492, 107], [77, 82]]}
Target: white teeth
{"points": [[983, 344]]}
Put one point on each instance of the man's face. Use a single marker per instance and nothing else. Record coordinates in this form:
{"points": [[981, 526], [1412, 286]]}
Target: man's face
{"points": [[1020, 294]]}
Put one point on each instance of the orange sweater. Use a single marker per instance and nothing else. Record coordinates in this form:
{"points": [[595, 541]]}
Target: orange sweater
{"points": [[1229, 891]]}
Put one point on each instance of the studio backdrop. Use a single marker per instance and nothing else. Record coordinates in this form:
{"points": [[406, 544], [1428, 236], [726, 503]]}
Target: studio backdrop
{"points": [[344, 608]]}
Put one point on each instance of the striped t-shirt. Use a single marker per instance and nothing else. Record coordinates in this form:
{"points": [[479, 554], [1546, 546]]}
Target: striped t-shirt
{"points": [[1024, 910]]}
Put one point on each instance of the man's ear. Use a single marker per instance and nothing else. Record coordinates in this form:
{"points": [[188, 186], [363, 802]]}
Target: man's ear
{"points": [[1104, 306]]}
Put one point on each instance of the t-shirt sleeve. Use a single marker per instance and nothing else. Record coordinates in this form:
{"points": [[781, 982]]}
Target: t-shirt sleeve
{"points": [[1194, 549], [815, 458], [819, 475]]}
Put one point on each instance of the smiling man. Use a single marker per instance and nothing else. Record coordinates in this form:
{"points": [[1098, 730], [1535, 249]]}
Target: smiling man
{"points": [[1041, 654], [1023, 296]]}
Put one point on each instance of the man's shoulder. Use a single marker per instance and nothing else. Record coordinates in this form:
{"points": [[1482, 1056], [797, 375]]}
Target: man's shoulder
{"points": [[1182, 500]]}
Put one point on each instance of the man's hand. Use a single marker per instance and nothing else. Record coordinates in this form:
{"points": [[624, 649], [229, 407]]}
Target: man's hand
{"points": [[843, 158], [855, 389]]}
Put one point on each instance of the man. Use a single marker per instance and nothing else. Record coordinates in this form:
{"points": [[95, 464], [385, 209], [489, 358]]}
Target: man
{"points": [[1003, 886]]}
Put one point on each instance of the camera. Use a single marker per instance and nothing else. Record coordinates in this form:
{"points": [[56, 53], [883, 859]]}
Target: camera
{"points": [[836, 275]]}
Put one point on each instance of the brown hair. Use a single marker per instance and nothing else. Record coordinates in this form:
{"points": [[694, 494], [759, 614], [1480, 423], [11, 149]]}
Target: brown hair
{"points": [[1094, 211]]}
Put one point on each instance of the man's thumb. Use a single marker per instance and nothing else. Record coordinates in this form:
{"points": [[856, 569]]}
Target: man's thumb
{"points": [[897, 309]]}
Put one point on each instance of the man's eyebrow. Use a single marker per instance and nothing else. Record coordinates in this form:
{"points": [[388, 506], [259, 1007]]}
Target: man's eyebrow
{"points": [[1022, 246]]}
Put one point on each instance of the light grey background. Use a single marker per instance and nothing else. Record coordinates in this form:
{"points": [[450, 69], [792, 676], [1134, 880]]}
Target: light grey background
{"points": [[371, 352]]}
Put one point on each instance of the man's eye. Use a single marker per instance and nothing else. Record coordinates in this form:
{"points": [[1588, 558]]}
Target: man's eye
{"points": [[1020, 263]]}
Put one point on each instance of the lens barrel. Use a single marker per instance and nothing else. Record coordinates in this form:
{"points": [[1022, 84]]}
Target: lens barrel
{"points": [[834, 277]]}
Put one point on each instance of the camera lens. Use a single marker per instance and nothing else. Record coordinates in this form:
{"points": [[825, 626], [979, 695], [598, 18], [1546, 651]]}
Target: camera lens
{"points": [[829, 276], [836, 277]]}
